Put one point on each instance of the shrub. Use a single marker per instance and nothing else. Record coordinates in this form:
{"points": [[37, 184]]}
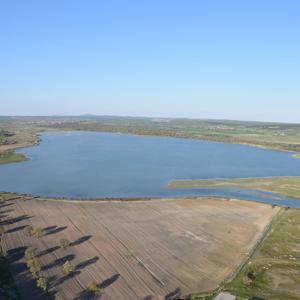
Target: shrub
{"points": [[2, 230], [38, 232], [29, 253], [58, 297], [3, 252], [34, 266], [64, 243], [68, 267], [93, 288], [42, 284], [29, 231]]}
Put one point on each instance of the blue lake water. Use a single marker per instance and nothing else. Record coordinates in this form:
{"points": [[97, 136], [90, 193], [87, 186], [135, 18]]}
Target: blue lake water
{"points": [[97, 165]]}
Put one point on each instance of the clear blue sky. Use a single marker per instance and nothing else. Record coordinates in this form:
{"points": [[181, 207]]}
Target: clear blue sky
{"points": [[198, 59]]}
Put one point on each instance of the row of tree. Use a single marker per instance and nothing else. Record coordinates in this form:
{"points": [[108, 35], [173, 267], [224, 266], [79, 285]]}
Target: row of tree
{"points": [[35, 267]]}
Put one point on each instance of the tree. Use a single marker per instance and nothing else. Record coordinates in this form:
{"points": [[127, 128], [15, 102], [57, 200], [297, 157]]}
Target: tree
{"points": [[34, 267], [29, 230], [58, 297], [30, 253], [93, 288], [64, 243], [39, 232], [42, 284], [3, 252], [68, 267], [2, 230]]}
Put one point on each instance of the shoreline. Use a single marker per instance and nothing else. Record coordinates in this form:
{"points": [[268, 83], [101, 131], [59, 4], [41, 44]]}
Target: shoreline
{"points": [[38, 139], [288, 186], [136, 200]]}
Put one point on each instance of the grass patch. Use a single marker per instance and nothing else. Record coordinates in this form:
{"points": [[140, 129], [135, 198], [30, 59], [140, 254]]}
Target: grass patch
{"points": [[9, 157], [274, 271], [288, 186], [297, 155]]}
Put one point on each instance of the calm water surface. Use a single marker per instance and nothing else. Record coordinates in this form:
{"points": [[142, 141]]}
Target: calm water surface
{"points": [[95, 165]]}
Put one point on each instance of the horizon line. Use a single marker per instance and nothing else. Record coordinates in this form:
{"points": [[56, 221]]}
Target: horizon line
{"points": [[147, 117]]}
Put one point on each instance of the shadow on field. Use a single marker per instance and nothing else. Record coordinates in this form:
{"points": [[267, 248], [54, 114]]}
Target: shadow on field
{"points": [[51, 279], [6, 204], [54, 229], [7, 211], [81, 240], [65, 278], [24, 278], [87, 295], [15, 220], [16, 253], [109, 281], [174, 295], [87, 262], [59, 262], [48, 251], [49, 228], [27, 282], [15, 229]]}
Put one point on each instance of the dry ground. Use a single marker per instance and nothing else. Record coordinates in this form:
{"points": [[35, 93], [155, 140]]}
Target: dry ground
{"points": [[133, 250]]}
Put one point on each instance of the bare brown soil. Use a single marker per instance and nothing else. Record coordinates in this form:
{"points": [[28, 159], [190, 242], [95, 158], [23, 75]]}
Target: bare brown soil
{"points": [[133, 250]]}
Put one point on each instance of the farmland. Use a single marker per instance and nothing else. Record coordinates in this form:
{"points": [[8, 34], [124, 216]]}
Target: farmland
{"points": [[288, 186], [132, 250]]}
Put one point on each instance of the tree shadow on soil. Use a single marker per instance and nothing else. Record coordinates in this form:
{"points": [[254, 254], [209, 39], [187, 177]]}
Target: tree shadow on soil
{"points": [[28, 283], [6, 204], [54, 229], [48, 251], [148, 297], [15, 229], [59, 262], [65, 278], [174, 295], [81, 240], [7, 211], [15, 220], [87, 262], [87, 295], [109, 281], [16, 253]]}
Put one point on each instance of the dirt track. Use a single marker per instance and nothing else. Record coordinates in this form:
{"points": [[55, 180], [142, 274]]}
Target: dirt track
{"points": [[134, 250]]}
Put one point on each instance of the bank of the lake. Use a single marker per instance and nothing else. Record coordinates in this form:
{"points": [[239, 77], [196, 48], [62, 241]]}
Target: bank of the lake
{"points": [[96, 165], [11, 157], [288, 186], [297, 155]]}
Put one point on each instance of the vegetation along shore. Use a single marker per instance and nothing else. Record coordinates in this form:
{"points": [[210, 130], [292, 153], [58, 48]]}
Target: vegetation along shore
{"points": [[288, 186]]}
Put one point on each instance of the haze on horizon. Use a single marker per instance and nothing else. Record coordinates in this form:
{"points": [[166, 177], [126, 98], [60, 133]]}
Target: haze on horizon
{"points": [[221, 60]]}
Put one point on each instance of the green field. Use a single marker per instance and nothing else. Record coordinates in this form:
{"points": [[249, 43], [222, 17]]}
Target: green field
{"points": [[9, 157], [274, 271], [288, 186]]}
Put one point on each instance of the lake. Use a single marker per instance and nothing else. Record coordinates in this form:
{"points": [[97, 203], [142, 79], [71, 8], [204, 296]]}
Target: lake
{"points": [[98, 165]]}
